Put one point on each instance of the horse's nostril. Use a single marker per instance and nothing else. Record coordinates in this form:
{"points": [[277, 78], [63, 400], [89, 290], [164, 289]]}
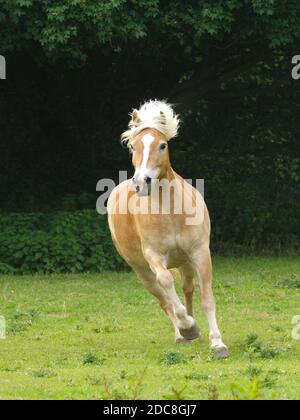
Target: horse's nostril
{"points": [[137, 188], [148, 180]]}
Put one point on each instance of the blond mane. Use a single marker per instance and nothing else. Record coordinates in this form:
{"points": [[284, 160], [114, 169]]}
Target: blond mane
{"points": [[153, 114]]}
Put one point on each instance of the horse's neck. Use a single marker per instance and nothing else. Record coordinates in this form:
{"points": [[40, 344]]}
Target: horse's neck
{"points": [[171, 174]]}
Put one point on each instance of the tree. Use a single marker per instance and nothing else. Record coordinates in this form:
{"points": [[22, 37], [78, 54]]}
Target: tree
{"points": [[75, 68]]}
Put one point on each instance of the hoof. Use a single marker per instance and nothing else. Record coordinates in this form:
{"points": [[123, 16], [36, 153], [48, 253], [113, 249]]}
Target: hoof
{"points": [[220, 353], [182, 340], [191, 334]]}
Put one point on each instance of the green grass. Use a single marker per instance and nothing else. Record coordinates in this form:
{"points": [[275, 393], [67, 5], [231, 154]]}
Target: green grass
{"points": [[104, 337]]}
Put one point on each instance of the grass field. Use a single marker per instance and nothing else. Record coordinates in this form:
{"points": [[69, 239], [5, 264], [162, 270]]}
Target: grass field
{"points": [[103, 337]]}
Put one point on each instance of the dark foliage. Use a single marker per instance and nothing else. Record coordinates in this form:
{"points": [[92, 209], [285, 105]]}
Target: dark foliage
{"points": [[58, 242], [75, 69]]}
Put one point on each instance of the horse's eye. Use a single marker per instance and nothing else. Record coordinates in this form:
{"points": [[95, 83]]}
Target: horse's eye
{"points": [[163, 146]]}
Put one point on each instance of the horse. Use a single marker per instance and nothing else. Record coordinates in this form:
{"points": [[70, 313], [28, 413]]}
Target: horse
{"points": [[154, 243]]}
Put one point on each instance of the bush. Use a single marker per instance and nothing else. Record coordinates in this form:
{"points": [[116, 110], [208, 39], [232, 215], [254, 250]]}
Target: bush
{"points": [[78, 241], [58, 242]]}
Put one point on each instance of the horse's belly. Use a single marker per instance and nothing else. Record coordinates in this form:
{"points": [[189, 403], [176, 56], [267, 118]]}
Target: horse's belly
{"points": [[176, 258]]}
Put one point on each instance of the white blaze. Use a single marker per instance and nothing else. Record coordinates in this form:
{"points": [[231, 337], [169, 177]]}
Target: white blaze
{"points": [[142, 172], [147, 140]]}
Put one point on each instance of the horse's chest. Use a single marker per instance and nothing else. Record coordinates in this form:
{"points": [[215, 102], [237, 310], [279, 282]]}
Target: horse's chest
{"points": [[167, 240]]}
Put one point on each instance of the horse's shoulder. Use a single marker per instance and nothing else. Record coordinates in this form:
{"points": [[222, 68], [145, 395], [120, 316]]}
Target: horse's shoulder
{"points": [[123, 186], [120, 189]]}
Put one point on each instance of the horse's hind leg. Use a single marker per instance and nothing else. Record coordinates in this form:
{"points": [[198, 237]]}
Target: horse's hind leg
{"points": [[188, 286]]}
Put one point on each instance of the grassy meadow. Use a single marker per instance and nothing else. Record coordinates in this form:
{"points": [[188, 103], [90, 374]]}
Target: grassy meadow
{"points": [[104, 337]]}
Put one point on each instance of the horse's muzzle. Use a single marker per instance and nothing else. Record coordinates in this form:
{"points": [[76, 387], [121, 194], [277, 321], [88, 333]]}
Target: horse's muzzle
{"points": [[143, 188]]}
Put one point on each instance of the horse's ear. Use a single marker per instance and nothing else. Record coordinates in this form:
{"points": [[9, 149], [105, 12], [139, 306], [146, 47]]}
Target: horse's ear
{"points": [[163, 118], [135, 119]]}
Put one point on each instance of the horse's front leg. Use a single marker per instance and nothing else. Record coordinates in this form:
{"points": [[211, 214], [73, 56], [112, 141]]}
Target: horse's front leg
{"points": [[185, 325], [203, 267], [148, 279]]}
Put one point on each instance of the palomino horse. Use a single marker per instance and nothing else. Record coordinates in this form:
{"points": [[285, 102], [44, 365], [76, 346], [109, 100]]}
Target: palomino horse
{"points": [[154, 242]]}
